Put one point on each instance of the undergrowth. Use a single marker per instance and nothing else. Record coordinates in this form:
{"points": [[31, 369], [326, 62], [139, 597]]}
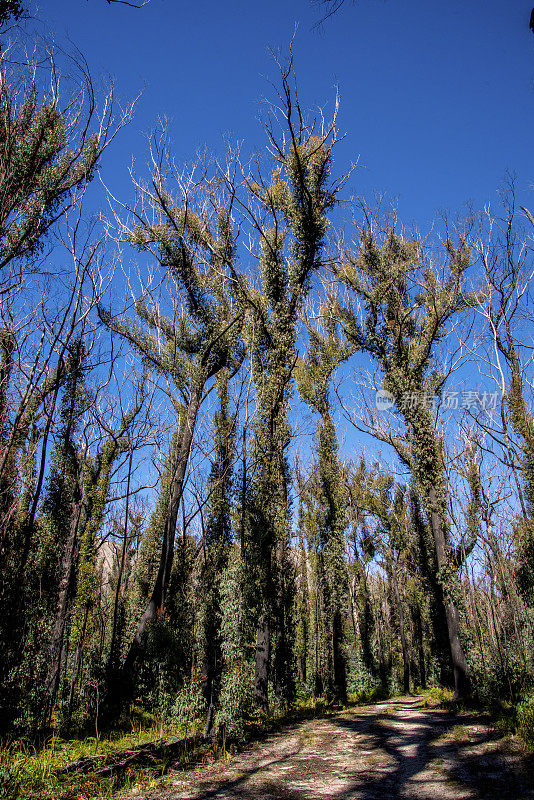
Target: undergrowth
{"points": [[375, 695], [28, 771], [524, 719]]}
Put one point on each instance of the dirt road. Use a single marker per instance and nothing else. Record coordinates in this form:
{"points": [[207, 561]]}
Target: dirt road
{"points": [[398, 749]]}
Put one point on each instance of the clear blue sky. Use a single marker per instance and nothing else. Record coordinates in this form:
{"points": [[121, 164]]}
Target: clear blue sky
{"points": [[437, 97]]}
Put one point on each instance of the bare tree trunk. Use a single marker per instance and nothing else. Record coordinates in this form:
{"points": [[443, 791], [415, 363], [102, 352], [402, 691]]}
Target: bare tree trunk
{"points": [[263, 653], [179, 468], [68, 565], [355, 623], [402, 632], [459, 662], [28, 526], [243, 494], [121, 567]]}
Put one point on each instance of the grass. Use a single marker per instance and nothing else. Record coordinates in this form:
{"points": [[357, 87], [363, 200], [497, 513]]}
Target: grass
{"points": [[28, 771], [368, 696]]}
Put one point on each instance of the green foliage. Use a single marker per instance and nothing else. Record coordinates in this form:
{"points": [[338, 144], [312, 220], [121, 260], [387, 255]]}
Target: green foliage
{"points": [[438, 695], [525, 721], [406, 306], [523, 425], [189, 708], [206, 337], [295, 202], [236, 699], [235, 630], [365, 591], [43, 160], [498, 669], [218, 527], [216, 544], [359, 677], [170, 639], [34, 766], [363, 696]]}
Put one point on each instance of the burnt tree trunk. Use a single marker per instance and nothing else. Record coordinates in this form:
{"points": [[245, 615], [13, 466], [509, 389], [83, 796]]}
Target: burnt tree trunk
{"points": [[66, 583], [263, 653], [180, 460], [459, 662]]}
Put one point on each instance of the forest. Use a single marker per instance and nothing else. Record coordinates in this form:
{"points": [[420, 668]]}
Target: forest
{"points": [[260, 445]]}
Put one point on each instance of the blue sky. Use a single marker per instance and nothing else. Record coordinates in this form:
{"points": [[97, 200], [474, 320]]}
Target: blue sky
{"points": [[437, 99]]}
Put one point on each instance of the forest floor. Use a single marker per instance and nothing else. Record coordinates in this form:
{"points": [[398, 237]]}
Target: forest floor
{"points": [[399, 748]]}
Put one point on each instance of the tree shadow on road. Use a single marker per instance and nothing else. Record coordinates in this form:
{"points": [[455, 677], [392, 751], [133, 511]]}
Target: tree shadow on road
{"points": [[420, 755], [423, 762]]}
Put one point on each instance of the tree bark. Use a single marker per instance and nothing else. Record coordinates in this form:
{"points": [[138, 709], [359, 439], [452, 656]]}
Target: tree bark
{"points": [[459, 662], [68, 565], [263, 653], [179, 462]]}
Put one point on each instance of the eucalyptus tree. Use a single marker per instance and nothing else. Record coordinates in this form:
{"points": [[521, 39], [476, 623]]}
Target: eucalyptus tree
{"points": [[217, 541], [290, 221], [50, 142], [187, 347], [46, 155], [327, 484], [397, 310], [377, 495], [504, 250], [74, 513]]}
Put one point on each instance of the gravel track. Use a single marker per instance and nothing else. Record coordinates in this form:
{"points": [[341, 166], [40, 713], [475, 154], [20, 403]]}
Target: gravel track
{"points": [[397, 749]]}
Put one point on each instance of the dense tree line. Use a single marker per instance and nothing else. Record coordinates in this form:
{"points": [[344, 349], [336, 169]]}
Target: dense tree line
{"points": [[160, 541]]}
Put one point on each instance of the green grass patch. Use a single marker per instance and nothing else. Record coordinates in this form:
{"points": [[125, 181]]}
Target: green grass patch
{"points": [[29, 771]]}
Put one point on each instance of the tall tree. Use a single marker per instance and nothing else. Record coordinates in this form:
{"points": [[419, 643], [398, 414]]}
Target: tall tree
{"points": [[291, 223], [503, 249], [189, 347], [217, 538], [405, 307], [325, 354]]}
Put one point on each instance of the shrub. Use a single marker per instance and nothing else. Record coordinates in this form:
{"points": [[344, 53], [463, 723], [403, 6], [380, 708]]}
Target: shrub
{"points": [[189, 708], [525, 721], [440, 695], [374, 695], [235, 700]]}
